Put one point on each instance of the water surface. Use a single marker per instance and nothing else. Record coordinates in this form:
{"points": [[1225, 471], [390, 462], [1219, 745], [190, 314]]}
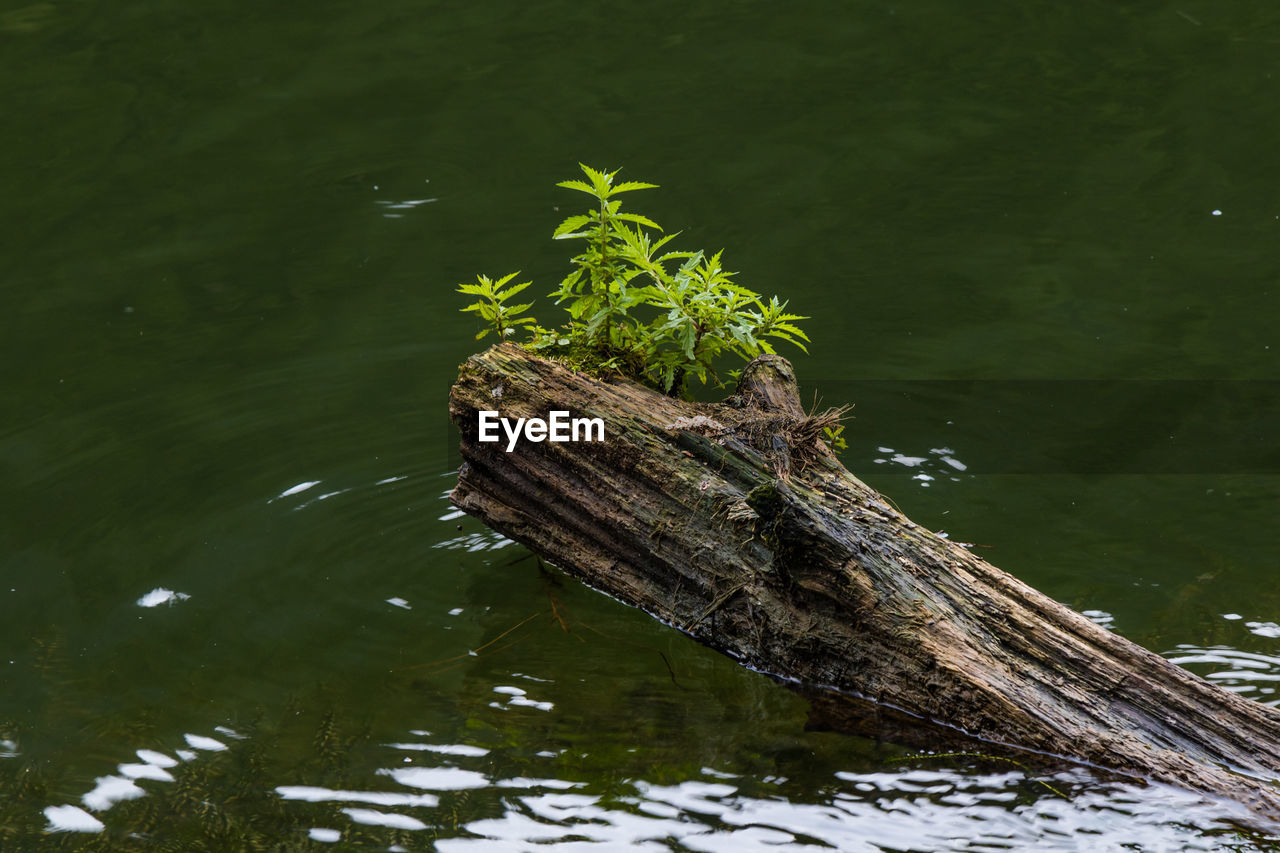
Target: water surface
{"points": [[1037, 247]]}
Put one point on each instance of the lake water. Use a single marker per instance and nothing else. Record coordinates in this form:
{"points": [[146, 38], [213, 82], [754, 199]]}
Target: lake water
{"points": [[1038, 245]]}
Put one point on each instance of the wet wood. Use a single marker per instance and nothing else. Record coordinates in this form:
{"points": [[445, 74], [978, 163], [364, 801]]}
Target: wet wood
{"points": [[808, 574]]}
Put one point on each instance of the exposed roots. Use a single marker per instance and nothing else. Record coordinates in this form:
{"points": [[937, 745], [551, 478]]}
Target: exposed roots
{"points": [[785, 439]]}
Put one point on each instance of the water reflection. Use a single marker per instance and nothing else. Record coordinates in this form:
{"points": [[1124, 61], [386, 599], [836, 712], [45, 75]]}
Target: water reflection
{"points": [[906, 808], [311, 794], [159, 596], [122, 786], [493, 793], [1252, 674], [71, 819], [518, 699], [395, 209], [533, 753], [938, 463]]}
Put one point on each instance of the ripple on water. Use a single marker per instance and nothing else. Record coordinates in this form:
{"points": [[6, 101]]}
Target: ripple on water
{"points": [[122, 786], [1248, 673], [939, 463], [912, 810], [903, 808]]}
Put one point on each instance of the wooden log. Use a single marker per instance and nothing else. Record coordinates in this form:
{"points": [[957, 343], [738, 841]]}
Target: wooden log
{"points": [[802, 571]]}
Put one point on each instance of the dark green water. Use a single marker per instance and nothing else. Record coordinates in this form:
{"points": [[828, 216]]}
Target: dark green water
{"points": [[1037, 239]]}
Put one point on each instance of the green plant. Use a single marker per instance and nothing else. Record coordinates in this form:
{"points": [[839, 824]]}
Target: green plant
{"points": [[598, 288], [834, 437], [491, 308], [662, 316]]}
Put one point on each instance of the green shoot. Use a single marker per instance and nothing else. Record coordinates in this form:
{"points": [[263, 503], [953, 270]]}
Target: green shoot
{"points": [[491, 308]]}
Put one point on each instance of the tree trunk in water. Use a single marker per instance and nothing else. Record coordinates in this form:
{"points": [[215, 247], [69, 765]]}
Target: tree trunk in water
{"points": [[734, 523]]}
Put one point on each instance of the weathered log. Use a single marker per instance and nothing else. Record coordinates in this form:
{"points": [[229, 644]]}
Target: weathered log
{"points": [[802, 571]]}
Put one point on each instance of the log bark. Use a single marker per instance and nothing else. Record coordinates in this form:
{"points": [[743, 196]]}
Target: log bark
{"points": [[802, 571]]}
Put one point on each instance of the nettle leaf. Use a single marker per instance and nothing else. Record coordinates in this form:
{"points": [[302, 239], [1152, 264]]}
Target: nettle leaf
{"points": [[568, 228], [513, 290], [789, 340], [628, 186], [787, 327], [597, 320], [597, 178], [640, 220], [674, 256], [688, 338], [579, 186]]}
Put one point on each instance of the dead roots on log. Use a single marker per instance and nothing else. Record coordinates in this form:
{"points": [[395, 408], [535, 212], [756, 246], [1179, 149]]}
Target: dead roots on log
{"points": [[733, 523]]}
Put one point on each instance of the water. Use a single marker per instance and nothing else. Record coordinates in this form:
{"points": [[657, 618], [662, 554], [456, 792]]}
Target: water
{"points": [[238, 613]]}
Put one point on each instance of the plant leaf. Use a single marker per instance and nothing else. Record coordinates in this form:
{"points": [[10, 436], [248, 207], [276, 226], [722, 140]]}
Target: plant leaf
{"points": [[642, 220], [579, 186], [628, 186], [514, 289], [571, 224]]}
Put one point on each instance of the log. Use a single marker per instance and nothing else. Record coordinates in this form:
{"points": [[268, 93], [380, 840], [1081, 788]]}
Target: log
{"points": [[734, 523]]}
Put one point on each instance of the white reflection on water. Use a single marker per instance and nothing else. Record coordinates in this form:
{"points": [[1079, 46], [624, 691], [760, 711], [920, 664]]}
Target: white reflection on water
{"points": [[71, 819], [486, 540], [437, 778], [394, 820], [206, 743], [313, 794], [1264, 629], [160, 595], [910, 808], [550, 784], [408, 204], [121, 786], [159, 759], [897, 808], [939, 462], [293, 490], [307, 485], [109, 791], [519, 699], [914, 810], [145, 771], [443, 748], [1099, 617], [1249, 673]]}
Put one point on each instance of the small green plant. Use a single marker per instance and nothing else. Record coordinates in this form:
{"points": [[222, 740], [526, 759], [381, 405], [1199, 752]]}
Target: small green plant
{"points": [[662, 316], [598, 289], [834, 437], [491, 308]]}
